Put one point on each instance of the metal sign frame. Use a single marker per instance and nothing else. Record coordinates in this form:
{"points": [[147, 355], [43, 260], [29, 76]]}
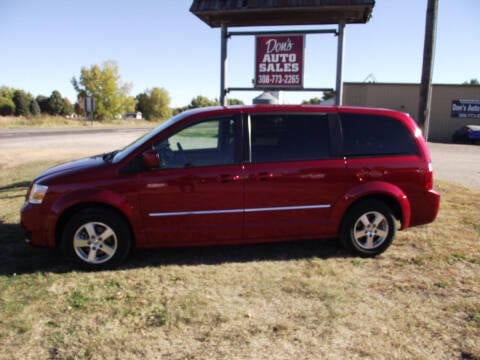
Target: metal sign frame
{"points": [[225, 35]]}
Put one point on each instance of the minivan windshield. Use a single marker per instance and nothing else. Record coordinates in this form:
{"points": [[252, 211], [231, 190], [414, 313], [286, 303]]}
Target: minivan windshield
{"points": [[122, 154]]}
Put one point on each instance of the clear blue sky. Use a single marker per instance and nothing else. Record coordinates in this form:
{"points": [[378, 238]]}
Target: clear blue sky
{"points": [[160, 43]]}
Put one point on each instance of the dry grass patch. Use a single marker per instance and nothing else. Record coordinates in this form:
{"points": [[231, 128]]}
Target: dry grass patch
{"points": [[48, 122], [306, 300]]}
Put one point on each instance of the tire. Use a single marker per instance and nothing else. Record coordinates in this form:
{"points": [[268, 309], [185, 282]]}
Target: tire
{"points": [[96, 239], [368, 228]]}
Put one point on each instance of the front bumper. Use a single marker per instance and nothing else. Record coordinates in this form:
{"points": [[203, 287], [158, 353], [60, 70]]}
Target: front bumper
{"points": [[33, 222]]}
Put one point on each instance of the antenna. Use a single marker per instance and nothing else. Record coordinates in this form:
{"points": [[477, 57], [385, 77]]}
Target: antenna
{"points": [[370, 78]]}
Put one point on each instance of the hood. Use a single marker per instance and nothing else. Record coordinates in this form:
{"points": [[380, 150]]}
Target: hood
{"points": [[72, 167]]}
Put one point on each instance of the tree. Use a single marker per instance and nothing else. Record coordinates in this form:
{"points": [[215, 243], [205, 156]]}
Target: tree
{"points": [[78, 108], [35, 108], [327, 95], [202, 101], [42, 101], [7, 106], [103, 83], [68, 108], [129, 104], [6, 92], [235, 102], [56, 104], [22, 103], [312, 101], [472, 82], [154, 104], [143, 104]]}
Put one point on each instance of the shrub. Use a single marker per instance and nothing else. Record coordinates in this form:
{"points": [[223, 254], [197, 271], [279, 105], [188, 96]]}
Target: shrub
{"points": [[35, 108], [22, 103], [7, 106], [42, 101]]}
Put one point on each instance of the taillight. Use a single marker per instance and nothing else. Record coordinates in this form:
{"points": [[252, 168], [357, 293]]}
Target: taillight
{"points": [[429, 177]]}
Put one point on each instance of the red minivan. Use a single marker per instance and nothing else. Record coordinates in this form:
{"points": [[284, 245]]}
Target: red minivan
{"points": [[244, 174]]}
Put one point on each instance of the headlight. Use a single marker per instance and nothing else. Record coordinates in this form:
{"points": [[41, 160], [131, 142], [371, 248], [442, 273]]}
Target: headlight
{"points": [[37, 194]]}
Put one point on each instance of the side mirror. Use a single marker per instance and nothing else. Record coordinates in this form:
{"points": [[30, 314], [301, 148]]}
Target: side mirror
{"points": [[150, 159]]}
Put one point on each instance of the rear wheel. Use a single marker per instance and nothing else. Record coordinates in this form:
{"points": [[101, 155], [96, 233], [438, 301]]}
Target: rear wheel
{"points": [[96, 239], [368, 228]]}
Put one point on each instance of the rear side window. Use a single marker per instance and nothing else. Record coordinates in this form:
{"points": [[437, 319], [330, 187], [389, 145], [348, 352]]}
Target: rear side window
{"points": [[370, 135], [289, 137]]}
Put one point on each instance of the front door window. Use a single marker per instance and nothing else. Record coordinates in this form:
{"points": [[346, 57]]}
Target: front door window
{"points": [[206, 143]]}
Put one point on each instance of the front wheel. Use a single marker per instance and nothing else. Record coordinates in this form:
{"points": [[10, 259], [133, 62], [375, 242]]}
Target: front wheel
{"points": [[96, 239], [368, 228]]}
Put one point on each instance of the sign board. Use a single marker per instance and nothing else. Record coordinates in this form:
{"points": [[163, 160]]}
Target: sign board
{"points": [[279, 61], [89, 104], [466, 109]]}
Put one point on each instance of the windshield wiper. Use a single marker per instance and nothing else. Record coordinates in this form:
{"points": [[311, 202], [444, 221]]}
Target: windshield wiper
{"points": [[109, 156]]}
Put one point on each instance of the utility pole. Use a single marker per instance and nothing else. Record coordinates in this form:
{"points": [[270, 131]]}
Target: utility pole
{"points": [[427, 69]]}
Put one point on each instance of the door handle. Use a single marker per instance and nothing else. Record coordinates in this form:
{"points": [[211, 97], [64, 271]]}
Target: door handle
{"points": [[263, 176], [224, 178]]}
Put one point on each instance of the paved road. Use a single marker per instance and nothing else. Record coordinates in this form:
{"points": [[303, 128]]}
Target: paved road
{"points": [[75, 137], [23, 146], [454, 163], [89, 140]]}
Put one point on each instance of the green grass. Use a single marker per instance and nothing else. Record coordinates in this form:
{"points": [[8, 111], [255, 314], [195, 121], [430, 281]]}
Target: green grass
{"points": [[202, 130], [419, 300]]}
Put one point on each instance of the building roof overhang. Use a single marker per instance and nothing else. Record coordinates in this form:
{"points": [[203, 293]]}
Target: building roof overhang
{"points": [[234, 13]]}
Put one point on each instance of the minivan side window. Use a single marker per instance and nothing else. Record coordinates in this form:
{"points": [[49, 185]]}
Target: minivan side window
{"points": [[207, 143], [370, 135], [289, 137]]}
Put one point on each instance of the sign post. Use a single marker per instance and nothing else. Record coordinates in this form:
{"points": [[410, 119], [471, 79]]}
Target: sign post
{"points": [[89, 107]]}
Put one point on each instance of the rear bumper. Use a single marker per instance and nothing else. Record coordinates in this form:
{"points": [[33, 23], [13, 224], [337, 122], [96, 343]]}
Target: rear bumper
{"points": [[425, 208]]}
